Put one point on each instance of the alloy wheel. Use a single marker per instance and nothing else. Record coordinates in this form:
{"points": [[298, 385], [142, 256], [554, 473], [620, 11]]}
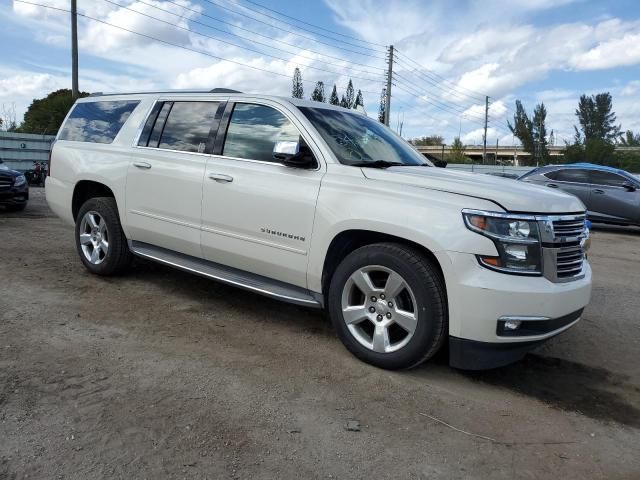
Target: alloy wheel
{"points": [[379, 308], [94, 237]]}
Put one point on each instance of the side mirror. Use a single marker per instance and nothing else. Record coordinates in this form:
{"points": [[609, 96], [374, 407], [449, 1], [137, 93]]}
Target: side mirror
{"points": [[630, 187], [294, 154]]}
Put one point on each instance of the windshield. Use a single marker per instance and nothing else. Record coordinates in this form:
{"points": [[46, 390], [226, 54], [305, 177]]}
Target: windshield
{"points": [[358, 140]]}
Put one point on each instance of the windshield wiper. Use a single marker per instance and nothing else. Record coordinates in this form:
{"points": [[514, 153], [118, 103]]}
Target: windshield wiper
{"points": [[377, 164]]}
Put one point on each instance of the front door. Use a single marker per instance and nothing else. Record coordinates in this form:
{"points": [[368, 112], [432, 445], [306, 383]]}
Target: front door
{"points": [[257, 214], [164, 179], [610, 200], [571, 180]]}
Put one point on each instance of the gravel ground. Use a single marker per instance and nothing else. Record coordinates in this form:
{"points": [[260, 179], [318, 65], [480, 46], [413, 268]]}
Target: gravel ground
{"points": [[160, 374]]}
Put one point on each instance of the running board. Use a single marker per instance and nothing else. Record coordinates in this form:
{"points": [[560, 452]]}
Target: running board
{"points": [[231, 276]]}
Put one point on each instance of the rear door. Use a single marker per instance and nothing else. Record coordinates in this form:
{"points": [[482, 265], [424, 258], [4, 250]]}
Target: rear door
{"points": [[571, 180], [610, 200], [164, 179], [257, 214]]}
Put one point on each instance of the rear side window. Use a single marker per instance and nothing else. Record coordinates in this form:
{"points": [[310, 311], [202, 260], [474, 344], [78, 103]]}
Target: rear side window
{"points": [[574, 175], [182, 126], [607, 179], [254, 130], [97, 122], [188, 125]]}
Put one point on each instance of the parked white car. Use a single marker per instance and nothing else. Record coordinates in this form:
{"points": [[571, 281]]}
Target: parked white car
{"points": [[321, 206]]}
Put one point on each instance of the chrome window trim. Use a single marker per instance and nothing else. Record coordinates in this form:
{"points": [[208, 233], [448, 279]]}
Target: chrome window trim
{"points": [[136, 137], [156, 149], [264, 162]]}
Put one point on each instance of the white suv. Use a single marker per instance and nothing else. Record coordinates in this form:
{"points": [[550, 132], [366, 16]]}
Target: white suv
{"points": [[321, 206]]}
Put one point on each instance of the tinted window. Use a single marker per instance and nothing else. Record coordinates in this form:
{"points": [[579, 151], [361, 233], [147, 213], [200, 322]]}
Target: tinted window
{"points": [[607, 178], [355, 138], [154, 138], [188, 125], [97, 122], [569, 175], [148, 125], [254, 130]]}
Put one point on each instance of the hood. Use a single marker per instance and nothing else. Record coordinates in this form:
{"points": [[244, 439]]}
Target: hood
{"points": [[9, 173], [511, 195]]}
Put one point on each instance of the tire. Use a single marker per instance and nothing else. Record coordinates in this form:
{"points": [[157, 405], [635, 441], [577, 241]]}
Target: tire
{"points": [[412, 310], [100, 241]]}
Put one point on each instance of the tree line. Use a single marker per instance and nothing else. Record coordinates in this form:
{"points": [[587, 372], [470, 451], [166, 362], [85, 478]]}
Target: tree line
{"points": [[349, 99], [596, 134]]}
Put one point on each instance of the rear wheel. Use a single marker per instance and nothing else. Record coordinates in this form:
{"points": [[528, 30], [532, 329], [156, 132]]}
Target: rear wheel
{"points": [[388, 305], [100, 241]]}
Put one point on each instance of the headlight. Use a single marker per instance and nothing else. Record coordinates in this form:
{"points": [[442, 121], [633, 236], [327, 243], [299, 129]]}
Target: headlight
{"points": [[20, 180], [516, 237]]}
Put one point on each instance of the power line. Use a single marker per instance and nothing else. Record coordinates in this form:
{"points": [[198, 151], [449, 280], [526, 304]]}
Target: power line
{"points": [[312, 25], [477, 94], [212, 2], [233, 44], [238, 27], [150, 37], [455, 87], [421, 93], [431, 103], [436, 83]]}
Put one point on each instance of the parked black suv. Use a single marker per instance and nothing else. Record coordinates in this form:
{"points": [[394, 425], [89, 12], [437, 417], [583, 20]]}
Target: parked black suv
{"points": [[14, 190]]}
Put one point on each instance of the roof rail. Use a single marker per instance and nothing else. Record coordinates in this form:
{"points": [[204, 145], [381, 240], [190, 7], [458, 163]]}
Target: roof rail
{"points": [[215, 90], [223, 90]]}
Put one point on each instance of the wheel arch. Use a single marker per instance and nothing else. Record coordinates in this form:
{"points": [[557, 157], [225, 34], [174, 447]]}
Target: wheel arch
{"points": [[86, 189], [347, 241]]}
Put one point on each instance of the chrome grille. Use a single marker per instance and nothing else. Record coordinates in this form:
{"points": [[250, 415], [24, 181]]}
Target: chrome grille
{"points": [[6, 182], [569, 261], [564, 228], [562, 240]]}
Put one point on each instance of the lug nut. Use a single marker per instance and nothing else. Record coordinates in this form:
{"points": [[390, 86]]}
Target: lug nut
{"points": [[374, 299], [390, 304], [382, 296], [379, 318], [388, 314], [372, 309]]}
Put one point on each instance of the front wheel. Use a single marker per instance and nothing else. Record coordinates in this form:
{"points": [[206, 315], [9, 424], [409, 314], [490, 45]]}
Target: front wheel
{"points": [[388, 305], [100, 241]]}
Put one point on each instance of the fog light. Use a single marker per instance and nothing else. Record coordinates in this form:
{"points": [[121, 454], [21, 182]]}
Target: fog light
{"points": [[512, 324]]}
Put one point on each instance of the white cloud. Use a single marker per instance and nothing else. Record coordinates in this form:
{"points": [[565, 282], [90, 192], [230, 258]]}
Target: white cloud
{"points": [[617, 52], [631, 88]]}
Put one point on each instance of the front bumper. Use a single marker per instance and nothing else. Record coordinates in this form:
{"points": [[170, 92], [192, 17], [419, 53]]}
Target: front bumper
{"points": [[14, 195], [479, 298], [473, 355]]}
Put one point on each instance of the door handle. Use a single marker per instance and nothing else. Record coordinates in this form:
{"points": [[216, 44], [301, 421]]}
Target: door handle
{"points": [[221, 178], [143, 165], [598, 191], [552, 185]]}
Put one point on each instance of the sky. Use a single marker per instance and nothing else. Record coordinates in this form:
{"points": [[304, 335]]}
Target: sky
{"points": [[449, 54]]}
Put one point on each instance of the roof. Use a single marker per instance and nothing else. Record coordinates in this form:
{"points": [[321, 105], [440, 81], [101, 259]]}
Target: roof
{"points": [[224, 93], [218, 92], [591, 166]]}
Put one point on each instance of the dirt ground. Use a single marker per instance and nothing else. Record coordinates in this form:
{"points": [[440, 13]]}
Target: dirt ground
{"points": [[160, 374]]}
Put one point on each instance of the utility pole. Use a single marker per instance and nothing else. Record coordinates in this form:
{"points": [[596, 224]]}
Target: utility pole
{"points": [[387, 101], [74, 50], [496, 150], [486, 121]]}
